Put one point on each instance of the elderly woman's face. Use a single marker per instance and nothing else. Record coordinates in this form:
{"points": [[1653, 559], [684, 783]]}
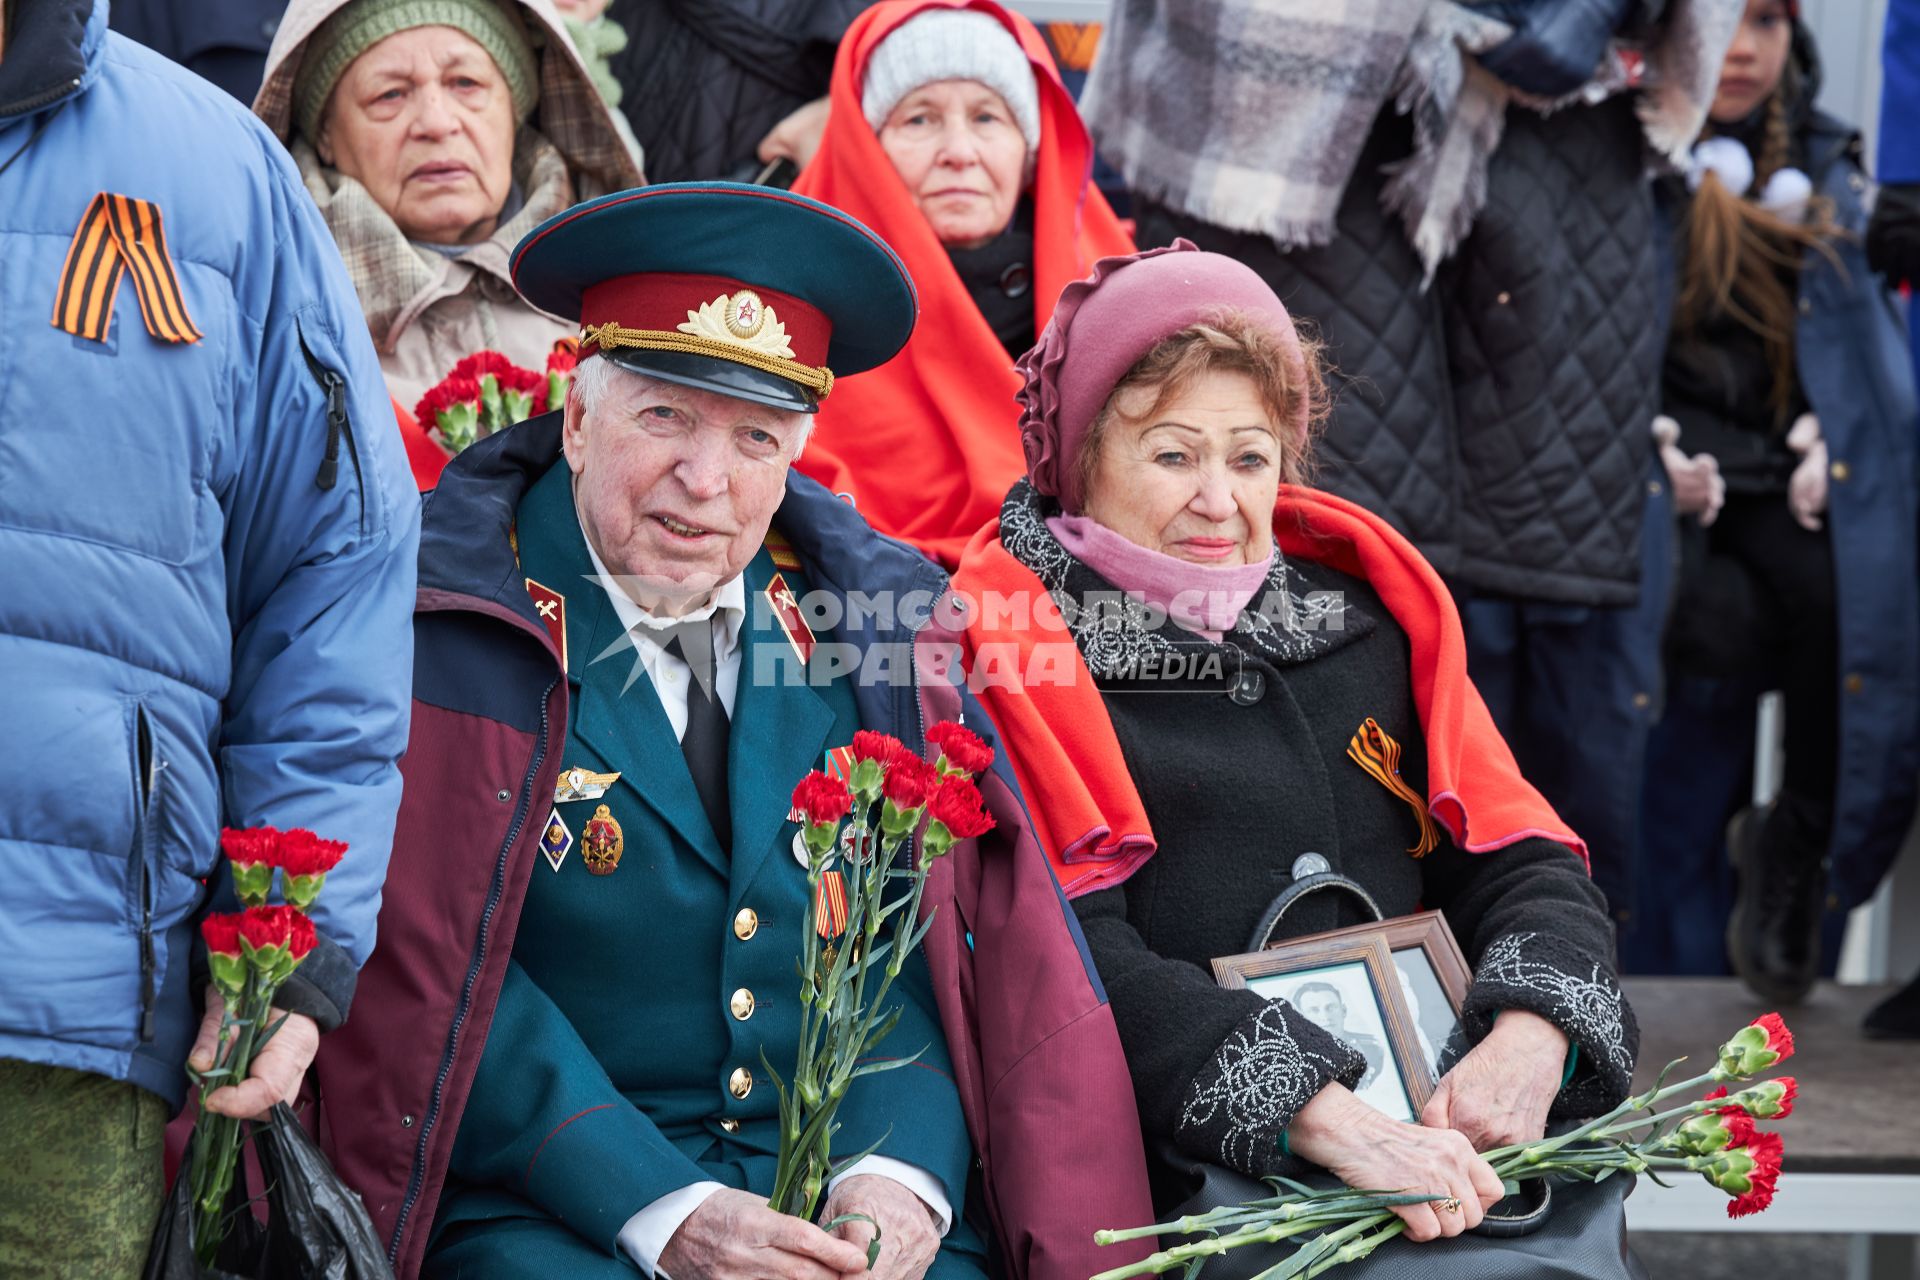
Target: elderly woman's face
{"points": [[956, 146], [676, 486], [1196, 480], [424, 121]]}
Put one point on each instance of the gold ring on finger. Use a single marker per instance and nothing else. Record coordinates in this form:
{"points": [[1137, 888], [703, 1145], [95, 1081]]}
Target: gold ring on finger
{"points": [[1451, 1204]]}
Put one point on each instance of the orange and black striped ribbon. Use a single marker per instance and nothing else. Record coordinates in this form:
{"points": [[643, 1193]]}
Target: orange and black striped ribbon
{"points": [[830, 905], [1373, 750], [121, 233]]}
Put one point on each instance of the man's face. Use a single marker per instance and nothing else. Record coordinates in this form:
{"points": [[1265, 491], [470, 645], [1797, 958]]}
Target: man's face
{"points": [[676, 487], [1325, 1010]]}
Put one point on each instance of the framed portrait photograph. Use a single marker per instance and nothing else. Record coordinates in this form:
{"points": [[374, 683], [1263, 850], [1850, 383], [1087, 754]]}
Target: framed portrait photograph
{"points": [[1349, 988], [1392, 990]]}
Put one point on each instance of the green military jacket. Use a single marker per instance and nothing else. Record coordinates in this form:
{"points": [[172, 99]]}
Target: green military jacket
{"points": [[624, 1061]]}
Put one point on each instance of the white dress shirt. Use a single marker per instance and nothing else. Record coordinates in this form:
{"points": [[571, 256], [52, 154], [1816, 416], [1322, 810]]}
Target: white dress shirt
{"points": [[646, 1233]]}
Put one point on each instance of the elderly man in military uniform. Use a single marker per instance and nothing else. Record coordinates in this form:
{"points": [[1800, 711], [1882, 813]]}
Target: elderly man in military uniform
{"points": [[590, 943]]}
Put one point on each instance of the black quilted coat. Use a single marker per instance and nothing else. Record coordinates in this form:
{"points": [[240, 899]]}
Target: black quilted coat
{"points": [[702, 81], [1500, 418]]}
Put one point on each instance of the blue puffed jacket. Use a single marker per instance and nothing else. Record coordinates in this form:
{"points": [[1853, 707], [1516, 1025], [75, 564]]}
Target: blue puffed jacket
{"points": [[206, 549]]}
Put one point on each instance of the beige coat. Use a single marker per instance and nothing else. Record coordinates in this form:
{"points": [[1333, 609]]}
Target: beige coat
{"points": [[427, 310]]}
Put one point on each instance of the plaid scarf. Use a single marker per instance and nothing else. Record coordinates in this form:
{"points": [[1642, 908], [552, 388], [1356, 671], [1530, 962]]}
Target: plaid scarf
{"points": [[389, 273], [1251, 114]]}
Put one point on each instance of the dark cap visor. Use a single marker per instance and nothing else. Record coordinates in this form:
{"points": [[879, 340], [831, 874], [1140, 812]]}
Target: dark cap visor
{"points": [[710, 373]]}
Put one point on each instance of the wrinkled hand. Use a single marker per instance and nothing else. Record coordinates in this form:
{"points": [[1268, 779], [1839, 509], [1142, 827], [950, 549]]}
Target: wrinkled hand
{"points": [[1698, 487], [798, 136], [1500, 1092], [1807, 488], [276, 1071], [1371, 1152], [733, 1235], [908, 1235]]}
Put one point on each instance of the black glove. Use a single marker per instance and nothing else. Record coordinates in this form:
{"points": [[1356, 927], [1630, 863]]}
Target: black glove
{"points": [[1893, 236]]}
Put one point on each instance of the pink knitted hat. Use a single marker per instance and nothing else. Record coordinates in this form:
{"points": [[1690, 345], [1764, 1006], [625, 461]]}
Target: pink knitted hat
{"points": [[1103, 325]]}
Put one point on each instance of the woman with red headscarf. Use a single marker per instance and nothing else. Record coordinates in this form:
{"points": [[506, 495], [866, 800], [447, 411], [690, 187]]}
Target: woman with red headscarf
{"points": [[951, 135]]}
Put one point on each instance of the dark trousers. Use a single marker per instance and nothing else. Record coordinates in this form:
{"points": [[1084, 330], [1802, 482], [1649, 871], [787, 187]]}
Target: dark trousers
{"points": [[1576, 690]]}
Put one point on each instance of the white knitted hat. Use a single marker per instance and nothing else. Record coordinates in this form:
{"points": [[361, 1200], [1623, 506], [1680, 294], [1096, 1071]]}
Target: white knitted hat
{"points": [[952, 44]]}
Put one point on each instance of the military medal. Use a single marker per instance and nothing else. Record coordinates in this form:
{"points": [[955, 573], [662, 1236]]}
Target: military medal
{"points": [[786, 610], [552, 608], [582, 784], [602, 842], [556, 841], [830, 906]]}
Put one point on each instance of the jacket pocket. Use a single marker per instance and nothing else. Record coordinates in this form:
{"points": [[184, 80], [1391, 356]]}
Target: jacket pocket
{"points": [[149, 788], [339, 426]]}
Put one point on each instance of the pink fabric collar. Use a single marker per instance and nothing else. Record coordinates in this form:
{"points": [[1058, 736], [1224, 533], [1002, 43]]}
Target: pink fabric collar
{"points": [[1205, 599]]}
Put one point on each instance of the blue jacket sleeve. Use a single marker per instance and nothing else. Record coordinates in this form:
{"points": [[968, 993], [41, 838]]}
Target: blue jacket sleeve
{"points": [[1899, 160], [545, 1122], [322, 529]]}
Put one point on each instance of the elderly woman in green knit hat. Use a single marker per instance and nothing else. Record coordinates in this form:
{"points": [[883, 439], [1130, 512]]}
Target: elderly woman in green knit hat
{"points": [[433, 134]]}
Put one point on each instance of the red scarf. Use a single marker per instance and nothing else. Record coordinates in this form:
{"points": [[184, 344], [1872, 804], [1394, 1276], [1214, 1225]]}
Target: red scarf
{"points": [[928, 444], [1085, 808]]}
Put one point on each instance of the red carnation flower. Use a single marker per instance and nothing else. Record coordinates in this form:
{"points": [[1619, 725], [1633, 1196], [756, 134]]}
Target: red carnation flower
{"points": [[1779, 1039], [222, 933], [1740, 1128], [265, 927], [957, 807], [250, 846], [300, 936], [881, 748], [960, 747], [910, 780], [822, 799], [302, 853], [1789, 1091], [562, 360], [1767, 1152]]}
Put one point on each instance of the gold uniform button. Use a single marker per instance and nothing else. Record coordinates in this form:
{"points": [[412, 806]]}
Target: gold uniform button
{"points": [[1839, 471], [740, 1083], [741, 1005], [746, 924], [730, 1125], [1855, 682]]}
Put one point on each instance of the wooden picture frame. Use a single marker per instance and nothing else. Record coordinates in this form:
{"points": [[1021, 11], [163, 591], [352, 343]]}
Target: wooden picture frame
{"points": [[1422, 969], [1346, 984]]}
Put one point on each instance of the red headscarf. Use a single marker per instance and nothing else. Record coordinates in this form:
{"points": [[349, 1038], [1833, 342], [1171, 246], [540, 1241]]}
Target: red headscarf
{"points": [[1085, 807], [928, 444]]}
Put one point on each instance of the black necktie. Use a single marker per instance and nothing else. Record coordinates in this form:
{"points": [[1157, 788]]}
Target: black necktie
{"points": [[705, 742]]}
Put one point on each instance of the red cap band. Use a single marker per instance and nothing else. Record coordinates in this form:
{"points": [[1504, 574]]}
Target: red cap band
{"points": [[667, 300]]}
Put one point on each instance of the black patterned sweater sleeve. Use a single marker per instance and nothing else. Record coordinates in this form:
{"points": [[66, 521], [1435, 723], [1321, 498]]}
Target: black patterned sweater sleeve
{"points": [[1536, 930], [1217, 1073]]}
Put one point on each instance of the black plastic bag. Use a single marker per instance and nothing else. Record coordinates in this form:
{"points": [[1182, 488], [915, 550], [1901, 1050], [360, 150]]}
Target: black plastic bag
{"points": [[316, 1228]]}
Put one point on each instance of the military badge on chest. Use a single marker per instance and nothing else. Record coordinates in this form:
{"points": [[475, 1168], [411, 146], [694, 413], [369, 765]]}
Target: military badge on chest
{"points": [[602, 842]]}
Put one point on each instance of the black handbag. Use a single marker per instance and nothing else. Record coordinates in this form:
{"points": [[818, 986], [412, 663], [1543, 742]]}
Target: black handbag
{"points": [[1552, 1229]]}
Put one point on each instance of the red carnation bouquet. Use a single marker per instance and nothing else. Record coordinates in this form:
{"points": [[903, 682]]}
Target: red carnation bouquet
{"points": [[486, 391], [855, 828], [1654, 1133], [250, 953]]}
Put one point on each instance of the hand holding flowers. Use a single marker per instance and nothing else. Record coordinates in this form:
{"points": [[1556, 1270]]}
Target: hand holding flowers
{"points": [[889, 797], [1714, 1136], [249, 1054]]}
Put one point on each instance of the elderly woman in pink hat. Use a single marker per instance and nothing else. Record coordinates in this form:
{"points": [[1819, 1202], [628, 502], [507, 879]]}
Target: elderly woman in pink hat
{"points": [[1264, 700]]}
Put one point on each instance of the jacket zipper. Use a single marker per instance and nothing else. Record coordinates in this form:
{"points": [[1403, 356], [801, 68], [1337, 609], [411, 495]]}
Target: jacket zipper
{"points": [[494, 890], [339, 427], [46, 97], [148, 782]]}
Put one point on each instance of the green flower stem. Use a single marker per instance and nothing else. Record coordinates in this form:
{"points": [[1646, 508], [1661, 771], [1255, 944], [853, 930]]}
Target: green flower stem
{"points": [[1354, 1250], [1534, 1152], [1181, 1255]]}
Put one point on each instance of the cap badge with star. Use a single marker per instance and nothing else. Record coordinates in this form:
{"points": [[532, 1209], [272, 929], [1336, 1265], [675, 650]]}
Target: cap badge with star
{"points": [[748, 291]]}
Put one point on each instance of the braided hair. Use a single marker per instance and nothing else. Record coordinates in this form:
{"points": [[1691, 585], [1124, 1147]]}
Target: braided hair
{"points": [[1741, 261]]}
